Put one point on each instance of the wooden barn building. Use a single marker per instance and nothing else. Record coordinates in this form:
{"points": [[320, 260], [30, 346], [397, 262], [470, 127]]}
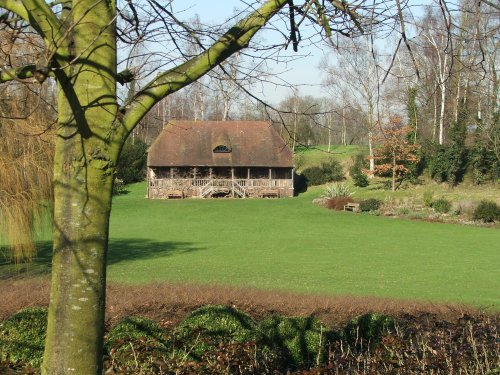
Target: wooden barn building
{"points": [[219, 159]]}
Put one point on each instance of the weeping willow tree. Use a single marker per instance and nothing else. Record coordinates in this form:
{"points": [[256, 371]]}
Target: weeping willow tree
{"points": [[26, 159], [80, 40], [26, 150]]}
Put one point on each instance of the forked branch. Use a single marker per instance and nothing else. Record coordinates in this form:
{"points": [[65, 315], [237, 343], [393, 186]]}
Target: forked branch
{"points": [[174, 79]]}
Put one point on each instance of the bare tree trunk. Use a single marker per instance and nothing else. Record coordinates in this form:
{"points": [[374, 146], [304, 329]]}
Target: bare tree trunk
{"points": [[294, 131], [434, 119], [442, 88], [225, 110], [371, 154], [393, 171], [84, 167], [329, 119], [370, 140], [344, 130]]}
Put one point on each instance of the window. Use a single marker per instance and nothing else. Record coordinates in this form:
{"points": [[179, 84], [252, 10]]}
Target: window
{"points": [[221, 149]]}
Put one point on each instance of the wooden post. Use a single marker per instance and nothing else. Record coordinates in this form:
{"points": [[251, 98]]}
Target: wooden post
{"points": [[149, 182], [210, 173], [270, 175], [171, 172], [232, 182]]}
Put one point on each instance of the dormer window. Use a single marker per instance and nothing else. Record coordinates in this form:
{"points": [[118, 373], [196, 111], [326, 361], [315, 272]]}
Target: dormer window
{"points": [[221, 149]]}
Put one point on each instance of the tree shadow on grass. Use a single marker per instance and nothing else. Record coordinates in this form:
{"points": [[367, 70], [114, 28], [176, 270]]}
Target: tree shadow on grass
{"points": [[119, 250]]}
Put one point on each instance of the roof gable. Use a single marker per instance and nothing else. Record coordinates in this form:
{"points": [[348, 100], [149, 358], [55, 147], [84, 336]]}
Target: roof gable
{"points": [[192, 143]]}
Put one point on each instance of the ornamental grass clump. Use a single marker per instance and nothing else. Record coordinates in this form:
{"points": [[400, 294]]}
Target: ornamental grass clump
{"points": [[339, 190], [22, 337], [337, 196]]}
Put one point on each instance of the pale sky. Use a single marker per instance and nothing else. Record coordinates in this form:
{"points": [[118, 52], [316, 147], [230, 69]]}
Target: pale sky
{"points": [[303, 71]]}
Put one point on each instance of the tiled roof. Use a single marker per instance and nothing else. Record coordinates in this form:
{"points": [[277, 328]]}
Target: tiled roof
{"points": [[191, 143]]}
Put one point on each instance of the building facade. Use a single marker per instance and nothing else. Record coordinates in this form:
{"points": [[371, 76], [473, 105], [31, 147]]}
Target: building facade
{"points": [[219, 159]]}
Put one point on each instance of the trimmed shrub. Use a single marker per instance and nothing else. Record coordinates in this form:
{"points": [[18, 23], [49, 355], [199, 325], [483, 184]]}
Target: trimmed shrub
{"points": [[22, 336], [487, 212], [204, 329], [371, 204], [314, 176], [360, 179], [302, 341], [333, 170], [441, 205], [367, 328], [327, 172], [136, 328], [135, 344]]}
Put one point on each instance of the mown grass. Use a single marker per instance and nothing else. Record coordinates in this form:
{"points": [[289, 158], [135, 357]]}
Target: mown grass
{"points": [[306, 157], [290, 244]]}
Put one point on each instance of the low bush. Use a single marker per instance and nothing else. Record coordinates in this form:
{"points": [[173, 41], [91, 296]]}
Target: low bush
{"points": [[135, 328], [327, 172], [333, 170], [209, 326], [119, 187], [131, 165], [371, 204], [22, 336], [487, 212], [135, 344], [356, 171], [314, 176], [441, 205], [360, 179], [302, 341], [367, 328], [428, 198]]}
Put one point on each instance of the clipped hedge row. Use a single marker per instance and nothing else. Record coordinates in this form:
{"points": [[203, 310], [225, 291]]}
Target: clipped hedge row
{"points": [[212, 335]]}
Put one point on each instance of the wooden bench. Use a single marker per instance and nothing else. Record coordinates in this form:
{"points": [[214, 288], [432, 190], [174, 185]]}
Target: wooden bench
{"points": [[354, 207], [174, 194], [272, 193]]}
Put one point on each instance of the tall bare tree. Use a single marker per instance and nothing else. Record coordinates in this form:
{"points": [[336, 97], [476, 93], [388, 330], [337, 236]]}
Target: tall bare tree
{"points": [[355, 72]]}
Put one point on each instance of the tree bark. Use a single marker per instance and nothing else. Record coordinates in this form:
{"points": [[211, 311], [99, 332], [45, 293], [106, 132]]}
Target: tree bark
{"points": [[84, 167], [81, 220]]}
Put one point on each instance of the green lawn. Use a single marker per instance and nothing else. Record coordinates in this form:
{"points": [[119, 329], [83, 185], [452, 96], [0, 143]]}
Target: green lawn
{"points": [[306, 157], [291, 244]]}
